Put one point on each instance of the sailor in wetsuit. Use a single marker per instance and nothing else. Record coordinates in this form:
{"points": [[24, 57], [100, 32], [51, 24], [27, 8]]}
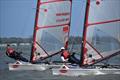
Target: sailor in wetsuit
{"points": [[65, 54], [66, 57], [10, 52]]}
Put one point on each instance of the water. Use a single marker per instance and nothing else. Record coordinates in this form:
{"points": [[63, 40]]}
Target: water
{"points": [[5, 74]]}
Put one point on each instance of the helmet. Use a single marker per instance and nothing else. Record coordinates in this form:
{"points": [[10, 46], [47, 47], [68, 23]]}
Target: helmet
{"points": [[62, 48]]}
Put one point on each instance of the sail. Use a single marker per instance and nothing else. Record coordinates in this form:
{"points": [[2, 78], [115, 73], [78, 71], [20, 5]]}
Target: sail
{"points": [[52, 27], [102, 30]]}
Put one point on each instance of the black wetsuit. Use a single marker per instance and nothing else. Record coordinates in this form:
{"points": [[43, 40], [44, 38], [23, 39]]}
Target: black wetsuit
{"points": [[73, 59], [17, 56]]}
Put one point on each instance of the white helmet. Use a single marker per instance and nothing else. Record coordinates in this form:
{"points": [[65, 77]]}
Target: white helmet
{"points": [[62, 48]]}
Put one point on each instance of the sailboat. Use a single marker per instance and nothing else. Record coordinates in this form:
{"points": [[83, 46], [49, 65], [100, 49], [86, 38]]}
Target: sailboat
{"points": [[51, 31], [101, 40]]}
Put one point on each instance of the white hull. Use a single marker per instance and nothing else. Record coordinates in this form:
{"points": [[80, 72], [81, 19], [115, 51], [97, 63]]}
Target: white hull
{"points": [[29, 66], [81, 71]]}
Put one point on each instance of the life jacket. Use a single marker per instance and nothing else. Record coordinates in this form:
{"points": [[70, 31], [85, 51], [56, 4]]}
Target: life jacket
{"points": [[10, 51], [66, 54]]}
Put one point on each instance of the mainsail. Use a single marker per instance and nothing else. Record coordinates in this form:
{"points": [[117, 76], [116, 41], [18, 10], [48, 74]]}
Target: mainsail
{"points": [[52, 26], [101, 37]]}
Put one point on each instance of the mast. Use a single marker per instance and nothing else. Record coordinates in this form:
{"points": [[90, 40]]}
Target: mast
{"points": [[35, 30], [84, 32], [66, 44]]}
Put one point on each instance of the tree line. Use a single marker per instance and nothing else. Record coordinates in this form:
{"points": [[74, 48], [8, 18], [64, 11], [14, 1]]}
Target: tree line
{"points": [[72, 40], [15, 40]]}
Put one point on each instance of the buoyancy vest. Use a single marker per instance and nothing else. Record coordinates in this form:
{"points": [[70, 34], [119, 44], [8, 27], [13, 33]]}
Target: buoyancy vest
{"points": [[10, 51], [66, 54]]}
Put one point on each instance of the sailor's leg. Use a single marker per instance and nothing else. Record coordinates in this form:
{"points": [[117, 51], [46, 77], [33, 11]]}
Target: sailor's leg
{"points": [[77, 61], [20, 57], [73, 60], [23, 59]]}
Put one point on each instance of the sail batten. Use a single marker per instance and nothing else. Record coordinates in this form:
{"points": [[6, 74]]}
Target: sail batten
{"points": [[50, 1], [104, 22], [42, 27]]}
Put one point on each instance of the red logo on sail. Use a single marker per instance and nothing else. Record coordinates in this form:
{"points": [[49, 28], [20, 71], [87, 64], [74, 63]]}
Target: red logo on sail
{"points": [[66, 28]]}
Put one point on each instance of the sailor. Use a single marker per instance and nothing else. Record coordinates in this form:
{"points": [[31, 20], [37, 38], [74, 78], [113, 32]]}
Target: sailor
{"points": [[65, 54], [66, 57], [10, 52]]}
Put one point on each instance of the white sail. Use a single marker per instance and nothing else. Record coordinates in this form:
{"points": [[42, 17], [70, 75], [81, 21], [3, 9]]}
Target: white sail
{"points": [[52, 28], [102, 29]]}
